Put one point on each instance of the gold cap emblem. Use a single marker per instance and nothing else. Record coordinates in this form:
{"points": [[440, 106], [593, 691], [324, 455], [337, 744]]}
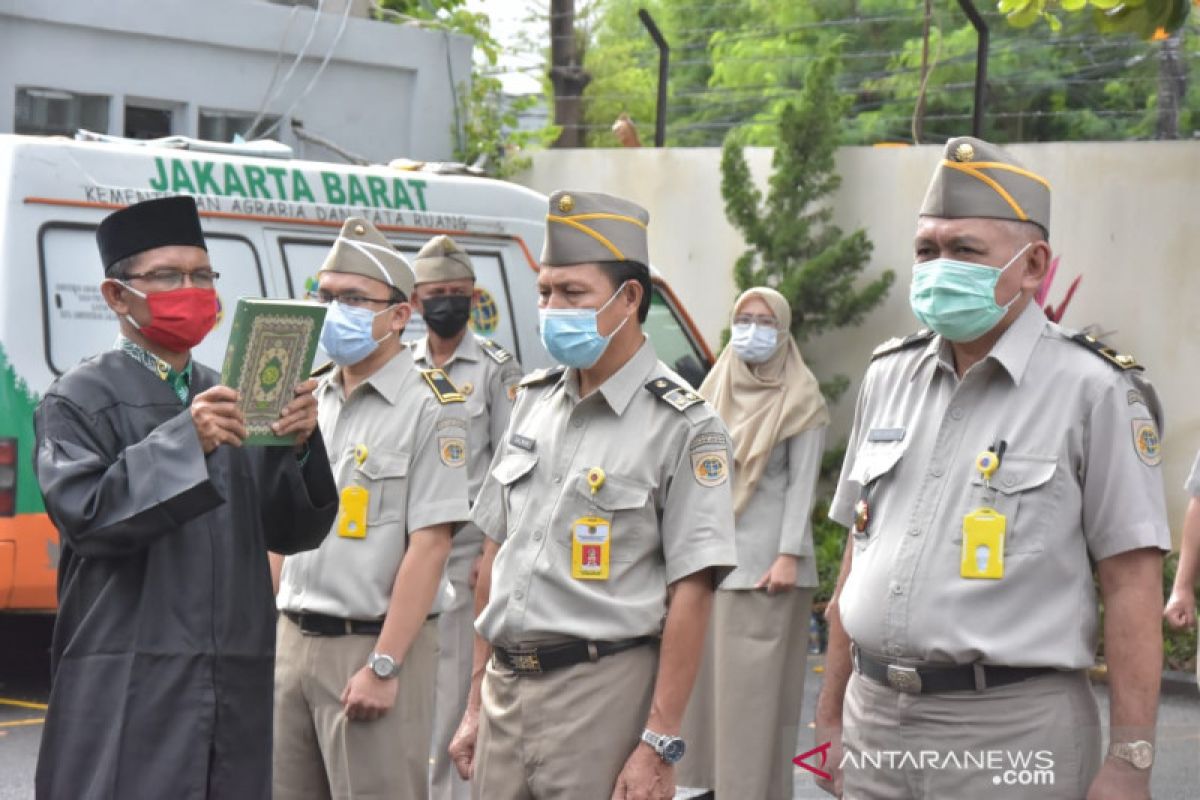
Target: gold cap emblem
{"points": [[566, 204], [360, 230], [964, 152]]}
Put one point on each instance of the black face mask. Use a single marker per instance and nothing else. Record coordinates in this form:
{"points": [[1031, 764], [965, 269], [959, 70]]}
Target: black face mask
{"points": [[446, 314]]}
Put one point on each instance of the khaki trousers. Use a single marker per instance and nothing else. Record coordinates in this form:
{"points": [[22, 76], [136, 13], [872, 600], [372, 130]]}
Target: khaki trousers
{"points": [[1037, 739], [456, 638], [318, 753], [743, 718], [562, 735]]}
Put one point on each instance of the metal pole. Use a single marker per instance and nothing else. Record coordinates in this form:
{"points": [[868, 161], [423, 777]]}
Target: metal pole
{"points": [[981, 60], [664, 57]]}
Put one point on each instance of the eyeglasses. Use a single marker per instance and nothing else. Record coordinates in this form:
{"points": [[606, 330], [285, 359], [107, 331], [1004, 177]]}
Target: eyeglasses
{"points": [[176, 278], [352, 300], [761, 321]]}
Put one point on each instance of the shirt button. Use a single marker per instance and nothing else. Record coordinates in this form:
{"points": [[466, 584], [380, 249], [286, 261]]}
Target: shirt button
{"points": [[578, 423], [1009, 481], [896, 589], [537, 537], [936, 472], [558, 478], [914, 531], [957, 412], [518, 594]]}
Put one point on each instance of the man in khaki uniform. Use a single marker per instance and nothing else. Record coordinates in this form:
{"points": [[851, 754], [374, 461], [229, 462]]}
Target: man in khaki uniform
{"points": [[357, 649], [486, 374], [992, 461], [608, 514]]}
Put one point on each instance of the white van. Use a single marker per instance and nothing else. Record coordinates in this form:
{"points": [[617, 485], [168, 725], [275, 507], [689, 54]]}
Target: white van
{"points": [[268, 221]]}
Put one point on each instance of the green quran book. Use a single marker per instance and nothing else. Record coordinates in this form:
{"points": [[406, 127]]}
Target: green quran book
{"points": [[271, 348]]}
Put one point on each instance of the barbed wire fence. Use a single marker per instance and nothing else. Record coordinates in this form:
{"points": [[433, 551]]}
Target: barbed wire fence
{"points": [[1034, 76]]}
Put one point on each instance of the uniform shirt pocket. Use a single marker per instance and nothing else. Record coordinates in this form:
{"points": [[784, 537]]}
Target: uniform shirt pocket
{"points": [[512, 473], [1024, 491], [384, 474], [625, 503], [874, 472]]}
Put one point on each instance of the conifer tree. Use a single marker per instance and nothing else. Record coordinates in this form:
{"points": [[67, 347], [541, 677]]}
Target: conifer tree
{"points": [[792, 245]]}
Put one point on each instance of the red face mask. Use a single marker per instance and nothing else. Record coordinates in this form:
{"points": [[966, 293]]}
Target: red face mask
{"points": [[180, 318]]}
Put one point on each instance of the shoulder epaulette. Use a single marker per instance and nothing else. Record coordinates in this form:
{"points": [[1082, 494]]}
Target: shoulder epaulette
{"points": [[540, 376], [674, 395], [495, 351], [323, 370], [896, 344], [1119, 360], [445, 391]]}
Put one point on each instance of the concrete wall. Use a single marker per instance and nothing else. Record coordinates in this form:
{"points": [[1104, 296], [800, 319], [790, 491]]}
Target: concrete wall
{"points": [[1123, 216], [387, 91]]}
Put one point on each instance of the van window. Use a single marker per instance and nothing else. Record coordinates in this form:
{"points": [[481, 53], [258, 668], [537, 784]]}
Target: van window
{"points": [[672, 343], [491, 313], [79, 324]]}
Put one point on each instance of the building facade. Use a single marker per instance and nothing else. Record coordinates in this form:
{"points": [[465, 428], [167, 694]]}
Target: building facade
{"points": [[211, 69]]}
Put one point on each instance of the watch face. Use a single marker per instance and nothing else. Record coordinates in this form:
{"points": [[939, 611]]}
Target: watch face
{"points": [[1141, 755], [673, 750], [383, 666]]}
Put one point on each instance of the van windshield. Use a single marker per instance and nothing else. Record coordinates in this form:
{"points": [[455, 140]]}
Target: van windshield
{"points": [[671, 341]]}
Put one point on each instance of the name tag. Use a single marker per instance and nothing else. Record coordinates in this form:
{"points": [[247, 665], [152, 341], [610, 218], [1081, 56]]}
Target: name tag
{"points": [[885, 435], [983, 544], [523, 442]]}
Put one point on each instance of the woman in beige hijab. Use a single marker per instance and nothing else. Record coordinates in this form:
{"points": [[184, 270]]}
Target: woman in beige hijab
{"points": [[741, 724]]}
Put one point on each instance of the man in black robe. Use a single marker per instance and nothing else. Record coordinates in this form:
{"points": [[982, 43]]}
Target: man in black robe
{"points": [[163, 648]]}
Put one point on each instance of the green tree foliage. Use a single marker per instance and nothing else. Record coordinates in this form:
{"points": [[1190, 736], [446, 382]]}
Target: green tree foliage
{"points": [[1148, 19], [486, 125], [792, 243], [737, 63]]}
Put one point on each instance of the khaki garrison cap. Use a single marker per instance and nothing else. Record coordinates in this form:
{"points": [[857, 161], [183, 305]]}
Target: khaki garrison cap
{"points": [[978, 179], [361, 249], [587, 227], [441, 259]]}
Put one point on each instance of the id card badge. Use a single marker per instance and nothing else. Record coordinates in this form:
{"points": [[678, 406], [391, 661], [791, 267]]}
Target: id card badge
{"points": [[590, 542], [983, 544], [352, 519]]}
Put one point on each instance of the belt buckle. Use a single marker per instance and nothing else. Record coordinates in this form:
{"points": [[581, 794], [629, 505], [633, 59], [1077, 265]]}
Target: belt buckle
{"points": [[904, 679], [525, 661]]}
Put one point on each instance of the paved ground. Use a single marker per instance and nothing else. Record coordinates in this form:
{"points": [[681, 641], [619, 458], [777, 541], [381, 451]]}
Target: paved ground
{"points": [[23, 688]]}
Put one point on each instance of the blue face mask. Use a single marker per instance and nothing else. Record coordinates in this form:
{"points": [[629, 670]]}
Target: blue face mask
{"points": [[957, 299], [346, 335], [754, 344], [570, 334]]}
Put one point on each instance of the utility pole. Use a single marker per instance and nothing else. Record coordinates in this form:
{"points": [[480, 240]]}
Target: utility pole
{"points": [[567, 75]]}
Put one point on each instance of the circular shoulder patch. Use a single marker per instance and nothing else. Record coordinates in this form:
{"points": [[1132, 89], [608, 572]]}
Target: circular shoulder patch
{"points": [[710, 468], [1146, 442], [453, 450]]}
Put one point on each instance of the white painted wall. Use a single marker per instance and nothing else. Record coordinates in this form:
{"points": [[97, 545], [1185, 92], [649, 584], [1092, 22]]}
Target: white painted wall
{"points": [[388, 90], [1123, 215]]}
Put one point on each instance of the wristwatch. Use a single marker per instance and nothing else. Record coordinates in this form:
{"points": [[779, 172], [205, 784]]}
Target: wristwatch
{"points": [[1140, 753], [669, 748], [383, 665]]}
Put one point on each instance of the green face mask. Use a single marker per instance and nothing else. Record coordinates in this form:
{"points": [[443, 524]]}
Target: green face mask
{"points": [[957, 299]]}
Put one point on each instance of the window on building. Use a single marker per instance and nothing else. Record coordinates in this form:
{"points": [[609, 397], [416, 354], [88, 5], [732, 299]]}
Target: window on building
{"points": [[221, 126], [54, 112], [146, 121]]}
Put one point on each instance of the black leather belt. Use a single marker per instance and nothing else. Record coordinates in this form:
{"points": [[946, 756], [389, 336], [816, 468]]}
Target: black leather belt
{"points": [[932, 679], [325, 625], [536, 660]]}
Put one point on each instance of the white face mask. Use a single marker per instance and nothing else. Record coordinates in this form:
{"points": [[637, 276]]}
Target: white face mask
{"points": [[754, 344]]}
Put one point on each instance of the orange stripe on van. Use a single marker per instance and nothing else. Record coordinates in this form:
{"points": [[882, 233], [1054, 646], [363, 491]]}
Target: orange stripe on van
{"points": [[29, 546]]}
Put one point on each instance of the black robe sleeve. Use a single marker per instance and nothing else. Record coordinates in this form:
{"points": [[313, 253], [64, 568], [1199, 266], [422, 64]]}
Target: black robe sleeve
{"points": [[299, 503], [107, 500]]}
